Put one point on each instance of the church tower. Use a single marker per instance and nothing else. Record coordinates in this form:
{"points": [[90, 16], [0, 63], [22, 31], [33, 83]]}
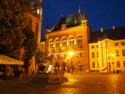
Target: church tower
{"points": [[36, 26], [39, 8], [39, 24]]}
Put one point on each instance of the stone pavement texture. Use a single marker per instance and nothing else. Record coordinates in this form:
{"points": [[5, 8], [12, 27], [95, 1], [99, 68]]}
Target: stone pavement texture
{"points": [[78, 83]]}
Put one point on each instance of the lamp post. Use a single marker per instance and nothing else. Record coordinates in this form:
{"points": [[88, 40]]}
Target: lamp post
{"points": [[71, 53]]}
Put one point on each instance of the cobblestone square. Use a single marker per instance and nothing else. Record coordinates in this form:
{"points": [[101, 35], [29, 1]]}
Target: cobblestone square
{"points": [[79, 83]]}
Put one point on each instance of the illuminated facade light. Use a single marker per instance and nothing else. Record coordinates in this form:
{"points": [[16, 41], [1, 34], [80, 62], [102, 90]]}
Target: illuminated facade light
{"points": [[71, 53], [60, 44], [67, 43], [74, 41]]}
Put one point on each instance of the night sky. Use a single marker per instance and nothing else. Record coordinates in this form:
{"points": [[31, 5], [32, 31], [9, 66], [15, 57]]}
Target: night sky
{"points": [[100, 13]]}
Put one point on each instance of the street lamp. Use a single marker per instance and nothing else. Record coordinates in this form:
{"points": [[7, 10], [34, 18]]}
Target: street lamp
{"points": [[71, 53]]}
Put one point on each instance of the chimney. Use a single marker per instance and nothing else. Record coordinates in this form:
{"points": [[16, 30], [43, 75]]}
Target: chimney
{"points": [[113, 27], [101, 30]]}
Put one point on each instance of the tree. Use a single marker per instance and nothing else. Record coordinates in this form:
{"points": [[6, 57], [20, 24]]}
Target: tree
{"points": [[15, 32], [30, 45], [13, 21]]}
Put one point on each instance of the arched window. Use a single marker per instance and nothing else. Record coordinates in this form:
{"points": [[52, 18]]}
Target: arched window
{"points": [[64, 44], [71, 43], [79, 54], [51, 45], [57, 44], [79, 42]]}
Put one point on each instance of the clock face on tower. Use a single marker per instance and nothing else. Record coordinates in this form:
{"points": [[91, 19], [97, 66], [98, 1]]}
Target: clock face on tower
{"points": [[38, 11]]}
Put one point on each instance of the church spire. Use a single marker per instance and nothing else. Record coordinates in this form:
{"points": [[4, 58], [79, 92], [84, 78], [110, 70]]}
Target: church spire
{"points": [[84, 15], [38, 3], [79, 10], [84, 19]]}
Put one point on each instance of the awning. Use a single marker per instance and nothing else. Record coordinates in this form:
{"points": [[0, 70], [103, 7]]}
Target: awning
{"points": [[9, 61]]}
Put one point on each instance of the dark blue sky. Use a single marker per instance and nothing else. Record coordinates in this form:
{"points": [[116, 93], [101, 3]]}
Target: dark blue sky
{"points": [[100, 13]]}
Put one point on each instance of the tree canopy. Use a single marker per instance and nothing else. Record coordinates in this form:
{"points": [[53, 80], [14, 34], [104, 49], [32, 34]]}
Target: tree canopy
{"points": [[14, 30]]}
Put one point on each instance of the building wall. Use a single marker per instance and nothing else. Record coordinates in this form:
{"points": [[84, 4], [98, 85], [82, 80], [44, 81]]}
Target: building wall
{"points": [[60, 43], [110, 57]]}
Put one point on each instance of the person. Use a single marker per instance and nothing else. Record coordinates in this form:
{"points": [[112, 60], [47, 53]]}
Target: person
{"points": [[72, 69]]}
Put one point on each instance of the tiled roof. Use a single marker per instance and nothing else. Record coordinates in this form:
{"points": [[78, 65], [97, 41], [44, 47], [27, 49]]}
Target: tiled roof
{"points": [[69, 21], [116, 34]]}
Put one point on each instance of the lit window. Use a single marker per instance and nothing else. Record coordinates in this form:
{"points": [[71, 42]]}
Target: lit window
{"points": [[71, 43], [64, 44], [51, 44], [117, 52], [57, 45], [79, 41], [118, 64], [123, 52], [79, 54]]}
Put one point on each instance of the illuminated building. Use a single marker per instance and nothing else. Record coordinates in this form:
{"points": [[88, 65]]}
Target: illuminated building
{"points": [[71, 33], [107, 50]]}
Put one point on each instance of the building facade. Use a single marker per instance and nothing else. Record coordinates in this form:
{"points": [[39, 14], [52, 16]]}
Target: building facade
{"points": [[67, 43], [107, 50], [107, 55]]}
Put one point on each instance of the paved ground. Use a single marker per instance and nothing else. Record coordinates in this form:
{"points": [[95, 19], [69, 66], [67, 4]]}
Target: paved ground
{"points": [[93, 83]]}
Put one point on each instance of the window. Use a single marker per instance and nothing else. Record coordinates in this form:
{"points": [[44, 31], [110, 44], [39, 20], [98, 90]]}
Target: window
{"points": [[116, 44], [71, 43], [79, 54], [124, 64], [79, 41], [118, 64], [57, 45], [123, 52], [117, 52], [92, 47], [64, 44], [51, 44], [122, 43], [93, 64], [93, 55]]}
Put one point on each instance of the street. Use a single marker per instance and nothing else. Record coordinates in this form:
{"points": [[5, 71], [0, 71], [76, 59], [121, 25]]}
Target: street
{"points": [[79, 83]]}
